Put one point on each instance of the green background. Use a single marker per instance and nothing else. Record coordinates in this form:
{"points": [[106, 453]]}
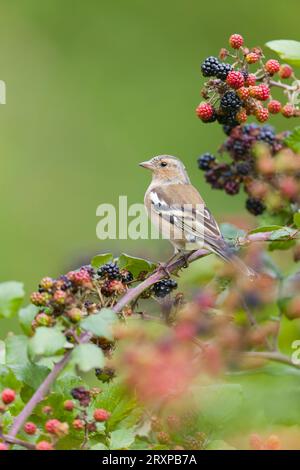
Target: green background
{"points": [[93, 88]]}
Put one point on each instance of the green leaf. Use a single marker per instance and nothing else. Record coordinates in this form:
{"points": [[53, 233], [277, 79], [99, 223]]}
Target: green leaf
{"points": [[46, 342], [284, 232], [297, 219], [281, 245], [220, 403], [266, 228], [293, 140], [17, 360], [2, 352], [288, 50], [135, 265], [231, 232], [99, 446], [11, 297], [26, 317], [101, 259], [219, 445], [87, 357], [100, 324], [121, 439]]}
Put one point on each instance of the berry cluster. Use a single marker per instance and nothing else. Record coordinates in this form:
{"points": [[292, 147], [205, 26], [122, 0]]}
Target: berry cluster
{"points": [[258, 164], [75, 295], [164, 287], [233, 93]]}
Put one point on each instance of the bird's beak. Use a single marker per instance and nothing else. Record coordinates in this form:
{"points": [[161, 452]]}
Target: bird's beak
{"points": [[147, 165]]}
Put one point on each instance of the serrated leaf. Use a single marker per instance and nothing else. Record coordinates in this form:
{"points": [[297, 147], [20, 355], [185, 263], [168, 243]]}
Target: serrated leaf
{"points": [[293, 140], [11, 297], [135, 265], [297, 219], [46, 342], [87, 357], [26, 317], [101, 259], [288, 50], [266, 228], [231, 232], [100, 324], [121, 439], [17, 360]]}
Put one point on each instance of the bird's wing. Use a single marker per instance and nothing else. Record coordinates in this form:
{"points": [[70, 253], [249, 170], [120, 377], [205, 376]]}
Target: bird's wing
{"points": [[182, 206]]}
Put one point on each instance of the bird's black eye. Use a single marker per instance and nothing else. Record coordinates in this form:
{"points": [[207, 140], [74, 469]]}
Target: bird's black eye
{"points": [[163, 163]]}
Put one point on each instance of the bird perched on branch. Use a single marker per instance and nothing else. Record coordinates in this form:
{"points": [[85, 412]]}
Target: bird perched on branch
{"points": [[176, 208]]}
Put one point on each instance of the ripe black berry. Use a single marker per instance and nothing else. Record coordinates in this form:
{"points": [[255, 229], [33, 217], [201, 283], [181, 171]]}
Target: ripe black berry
{"points": [[255, 206], [222, 70], [267, 135], [109, 270], [164, 287], [243, 168], [209, 66], [205, 161], [230, 102]]}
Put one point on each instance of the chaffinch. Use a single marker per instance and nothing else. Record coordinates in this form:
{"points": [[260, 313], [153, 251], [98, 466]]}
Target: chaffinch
{"points": [[176, 208]]}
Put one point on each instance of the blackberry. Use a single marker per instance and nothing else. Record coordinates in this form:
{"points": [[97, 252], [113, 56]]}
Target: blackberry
{"points": [[126, 276], [249, 128], [209, 66], [232, 187], [267, 135], [222, 70], [228, 119], [205, 160], [109, 270], [164, 287], [255, 206], [230, 102], [243, 168]]}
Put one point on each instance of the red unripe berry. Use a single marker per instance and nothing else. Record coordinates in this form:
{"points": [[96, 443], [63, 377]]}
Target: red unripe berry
{"points": [[250, 80], [44, 445], [236, 41], [47, 410], [242, 116], [272, 66], [52, 425], [274, 106], [261, 114], [252, 58], [30, 428], [3, 446], [235, 79], [288, 110], [243, 93], [8, 396], [205, 111], [285, 71], [101, 415], [78, 424], [260, 92], [69, 405]]}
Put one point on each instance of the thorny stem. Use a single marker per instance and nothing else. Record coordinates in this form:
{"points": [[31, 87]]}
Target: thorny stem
{"points": [[272, 356], [14, 440], [128, 297]]}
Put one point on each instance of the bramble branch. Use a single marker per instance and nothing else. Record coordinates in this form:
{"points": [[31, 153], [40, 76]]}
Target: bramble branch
{"points": [[128, 297]]}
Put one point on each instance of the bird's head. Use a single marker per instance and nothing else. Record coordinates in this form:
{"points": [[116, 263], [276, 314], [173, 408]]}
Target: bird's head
{"points": [[166, 168]]}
